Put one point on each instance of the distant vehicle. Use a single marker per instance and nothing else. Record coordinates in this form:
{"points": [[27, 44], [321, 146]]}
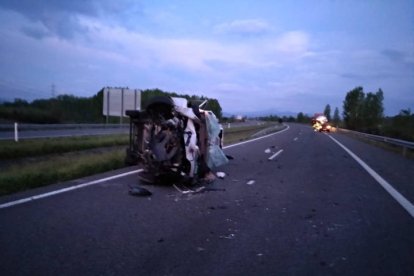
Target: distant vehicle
{"points": [[175, 140], [320, 123]]}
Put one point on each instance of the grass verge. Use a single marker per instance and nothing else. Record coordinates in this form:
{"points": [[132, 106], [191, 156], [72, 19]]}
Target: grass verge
{"points": [[234, 135], [38, 147], [409, 153], [58, 169]]}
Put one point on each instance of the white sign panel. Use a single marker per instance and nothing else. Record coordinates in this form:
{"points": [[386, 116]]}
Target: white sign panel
{"points": [[117, 100]]}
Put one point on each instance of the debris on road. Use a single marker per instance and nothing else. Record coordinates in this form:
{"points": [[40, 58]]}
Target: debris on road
{"points": [[185, 190], [228, 237], [250, 182], [221, 175], [268, 151], [139, 191]]}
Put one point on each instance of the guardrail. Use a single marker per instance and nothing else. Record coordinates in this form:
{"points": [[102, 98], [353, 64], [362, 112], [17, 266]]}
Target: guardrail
{"points": [[397, 142], [10, 127], [26, 131]]}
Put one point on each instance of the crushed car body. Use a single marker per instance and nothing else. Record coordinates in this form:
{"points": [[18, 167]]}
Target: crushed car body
{"points": [[175, 140]]}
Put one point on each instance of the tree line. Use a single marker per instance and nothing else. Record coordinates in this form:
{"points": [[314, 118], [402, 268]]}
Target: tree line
{"points": [[364, 112], [72, 109]]}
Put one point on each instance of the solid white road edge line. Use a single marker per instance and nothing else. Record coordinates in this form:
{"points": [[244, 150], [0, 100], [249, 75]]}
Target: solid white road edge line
{"points": [[407, 205], [27, 199], [276, 154], [64, 190]]}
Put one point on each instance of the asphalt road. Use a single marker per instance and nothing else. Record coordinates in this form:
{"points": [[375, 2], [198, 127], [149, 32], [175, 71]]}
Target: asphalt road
{"points": [[310, 210]]}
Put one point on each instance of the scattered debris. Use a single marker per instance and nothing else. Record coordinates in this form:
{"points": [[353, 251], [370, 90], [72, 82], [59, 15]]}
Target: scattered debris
{"points": [[139, 191], [209, 177], [228, 237], [221, 175], [229, 157], [188, 190], [268, 150], [250, 182]]}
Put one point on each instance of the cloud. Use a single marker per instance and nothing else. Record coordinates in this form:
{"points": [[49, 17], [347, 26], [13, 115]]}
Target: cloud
{"points": [[293, 42], [394, 55], [61, 18], [398, 57], [37, 32], [243, 27]]}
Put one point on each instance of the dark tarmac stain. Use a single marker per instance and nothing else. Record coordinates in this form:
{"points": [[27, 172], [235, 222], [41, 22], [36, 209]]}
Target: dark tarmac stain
{"points": [[219, 207], [160, 240], [309, 216], [139, 191]]}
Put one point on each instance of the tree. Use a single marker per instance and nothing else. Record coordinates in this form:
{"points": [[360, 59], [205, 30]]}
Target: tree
{"points": [[363, 112], [302, 118], [327, 112], [215, 107], [373, 111], [352, 107], [336, 118]]}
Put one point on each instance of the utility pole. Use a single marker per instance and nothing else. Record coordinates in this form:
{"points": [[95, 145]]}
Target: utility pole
{"points": [[53, 87]]}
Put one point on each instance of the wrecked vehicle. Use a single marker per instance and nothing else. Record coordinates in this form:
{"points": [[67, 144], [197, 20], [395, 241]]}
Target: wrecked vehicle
{"points": [[175, 140], [320, 123]]}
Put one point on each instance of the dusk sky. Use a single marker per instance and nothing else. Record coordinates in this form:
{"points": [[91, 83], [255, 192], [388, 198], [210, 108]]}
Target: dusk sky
{"points": [[279, 56]]}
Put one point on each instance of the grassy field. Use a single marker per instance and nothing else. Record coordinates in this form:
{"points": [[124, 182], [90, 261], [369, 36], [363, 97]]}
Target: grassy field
{"points": [[58, 168], [39, 147], [34, 163]]}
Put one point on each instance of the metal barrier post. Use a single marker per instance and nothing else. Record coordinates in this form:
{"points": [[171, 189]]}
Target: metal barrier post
{"points": [[16, 134]]}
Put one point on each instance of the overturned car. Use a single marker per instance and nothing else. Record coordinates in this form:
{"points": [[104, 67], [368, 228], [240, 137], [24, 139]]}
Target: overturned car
{"points": [[175, 140]]}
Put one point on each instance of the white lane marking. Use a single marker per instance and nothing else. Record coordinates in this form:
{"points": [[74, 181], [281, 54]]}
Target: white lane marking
{"points": [[27, 199], [407, 205], [276, 154], [64, 190], [255, 139]]}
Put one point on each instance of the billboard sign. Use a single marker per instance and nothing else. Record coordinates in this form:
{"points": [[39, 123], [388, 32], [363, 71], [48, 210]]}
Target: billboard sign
{"points": [[117, 100]]}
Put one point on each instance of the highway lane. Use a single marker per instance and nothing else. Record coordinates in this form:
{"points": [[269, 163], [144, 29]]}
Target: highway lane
{"points": [[310, 210]]}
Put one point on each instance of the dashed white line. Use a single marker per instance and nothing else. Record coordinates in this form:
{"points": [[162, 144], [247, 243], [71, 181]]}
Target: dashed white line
{"points": [[407, 205], [276, 154]]}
